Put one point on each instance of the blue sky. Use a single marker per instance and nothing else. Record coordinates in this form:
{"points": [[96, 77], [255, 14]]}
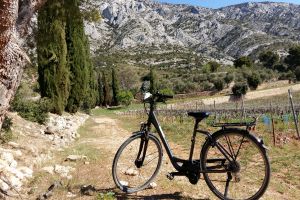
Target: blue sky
{"points": [[221, 3]]}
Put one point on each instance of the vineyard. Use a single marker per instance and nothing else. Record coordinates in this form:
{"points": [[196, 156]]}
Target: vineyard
{"points": [[274, 115]]}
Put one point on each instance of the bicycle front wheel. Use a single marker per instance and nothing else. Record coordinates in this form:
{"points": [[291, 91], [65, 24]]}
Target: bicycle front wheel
{"points": [[137, 163], [242, 169]]}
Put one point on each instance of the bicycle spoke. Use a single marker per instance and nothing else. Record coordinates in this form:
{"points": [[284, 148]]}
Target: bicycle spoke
{"points": [[238, 151], [224, 152], [230, 147]]}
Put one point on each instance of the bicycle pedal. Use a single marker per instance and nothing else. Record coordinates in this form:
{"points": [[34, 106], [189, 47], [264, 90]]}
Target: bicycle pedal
{"points": [[170, 176]]}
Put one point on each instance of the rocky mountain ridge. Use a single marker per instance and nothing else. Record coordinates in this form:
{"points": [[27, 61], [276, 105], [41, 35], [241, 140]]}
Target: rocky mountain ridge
{"points": [[224, 33]]}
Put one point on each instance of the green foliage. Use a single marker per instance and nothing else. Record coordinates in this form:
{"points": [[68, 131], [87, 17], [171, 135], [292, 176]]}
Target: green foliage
{"points": [[166, 91], [115, 86], [153, 81], [214, 66], [6, 134], [106, 90], [78, 57], [228, 78], [293, 59], [240, 89], [297, 73], [106, 196], [35, 111], [243, 61], [92, 15], [269, 59], [254, 80], [219, 84], [52, 55], [125, 97]]}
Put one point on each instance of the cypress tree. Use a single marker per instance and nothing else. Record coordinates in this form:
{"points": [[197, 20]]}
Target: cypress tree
{"points": [[78, 57], [52, 55], [106, 90], [115, 86], [100, 90], [153, 81]]}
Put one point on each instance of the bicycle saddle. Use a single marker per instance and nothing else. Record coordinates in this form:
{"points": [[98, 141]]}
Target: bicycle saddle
{"points": [[199, 115]]}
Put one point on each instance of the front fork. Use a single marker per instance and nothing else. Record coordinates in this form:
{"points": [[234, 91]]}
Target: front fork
{"points": [[143, 146]]}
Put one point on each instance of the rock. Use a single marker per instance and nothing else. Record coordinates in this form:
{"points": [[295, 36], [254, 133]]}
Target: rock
{"points": [[4, 186], [87, 190], [131, 172], [86, 163], [152, 185], [63, 171], [71, 195], [9, 158], [75, 157], [50, 130], [124, 183], [14, 145], [49, 169], [26, 171]]}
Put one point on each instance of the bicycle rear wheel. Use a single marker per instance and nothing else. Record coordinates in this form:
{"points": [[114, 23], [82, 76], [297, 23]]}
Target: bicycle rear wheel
{"points": [[244, 169], [137, 163]]}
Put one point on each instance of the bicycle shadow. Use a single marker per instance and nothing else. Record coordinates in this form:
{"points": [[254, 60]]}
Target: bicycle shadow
{"points": [[120, 195]]}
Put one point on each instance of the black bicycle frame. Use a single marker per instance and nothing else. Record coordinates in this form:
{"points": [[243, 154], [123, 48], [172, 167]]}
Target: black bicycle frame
{"points": [[152, 120]]}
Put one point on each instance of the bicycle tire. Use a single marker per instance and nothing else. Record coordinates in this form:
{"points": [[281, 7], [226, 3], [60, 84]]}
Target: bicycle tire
{"points": [[119, 175], [248, 183]]}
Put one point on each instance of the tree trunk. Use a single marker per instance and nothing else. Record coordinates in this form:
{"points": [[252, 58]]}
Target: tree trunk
{"points": [[14, 20]]}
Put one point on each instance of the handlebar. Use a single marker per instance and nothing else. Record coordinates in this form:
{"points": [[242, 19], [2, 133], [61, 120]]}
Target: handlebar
{"points": [[157, 97]]}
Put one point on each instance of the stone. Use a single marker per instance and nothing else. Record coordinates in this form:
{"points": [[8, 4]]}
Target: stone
{"points": [[152, 185], [63, 171], [14, 145], [49, 130], [131, 172], [75, 157], [4, 186], [49, 169], [71, 195]]}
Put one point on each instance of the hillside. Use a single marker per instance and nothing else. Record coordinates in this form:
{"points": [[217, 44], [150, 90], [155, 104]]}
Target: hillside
{"points": [[223, 34]]}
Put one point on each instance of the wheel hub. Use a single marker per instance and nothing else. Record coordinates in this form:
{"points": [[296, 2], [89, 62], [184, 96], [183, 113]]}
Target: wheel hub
{"points": [[234, 167]]}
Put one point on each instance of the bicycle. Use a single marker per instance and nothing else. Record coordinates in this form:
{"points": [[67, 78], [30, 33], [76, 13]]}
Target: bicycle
{"points": [[234, 162]]}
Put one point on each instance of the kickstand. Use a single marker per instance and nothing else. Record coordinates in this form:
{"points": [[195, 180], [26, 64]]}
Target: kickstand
{"points": [[229, 178]]}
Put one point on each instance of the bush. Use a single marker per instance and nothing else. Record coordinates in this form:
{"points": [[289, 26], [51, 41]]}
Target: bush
{"points": [[125, 97], [167, 91], [243, 61], [240, 89], [297, 73], [228, 78], [219, 84], [35, 111], [253, 81], [6, 133]]}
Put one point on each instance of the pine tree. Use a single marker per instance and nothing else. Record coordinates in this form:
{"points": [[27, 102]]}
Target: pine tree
{"points": [[115, 86], [52, 55], [78, 57]]}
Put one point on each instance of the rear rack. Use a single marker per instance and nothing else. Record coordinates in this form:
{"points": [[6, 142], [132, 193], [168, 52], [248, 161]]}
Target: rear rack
{"points": [[226, 124]]}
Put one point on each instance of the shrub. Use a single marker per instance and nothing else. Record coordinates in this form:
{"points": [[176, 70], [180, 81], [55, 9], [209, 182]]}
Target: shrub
{"points": [[167, 91], [297, 73], [253, 81], [6, 133], [243, 61], [214, 66], [228, 78], [125, 97], [219, 84], [35, 111], [240, 89]]}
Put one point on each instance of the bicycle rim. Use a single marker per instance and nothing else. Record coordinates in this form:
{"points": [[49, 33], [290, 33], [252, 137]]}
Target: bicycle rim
{"points": [[126, 174], [250, 172]]}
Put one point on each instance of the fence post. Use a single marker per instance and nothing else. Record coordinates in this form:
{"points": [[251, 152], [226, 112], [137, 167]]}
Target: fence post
{"points": [[243, 107], [294, 114]]}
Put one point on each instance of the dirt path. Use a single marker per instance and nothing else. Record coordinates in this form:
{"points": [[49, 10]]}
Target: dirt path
{"points": [[100, 139]]}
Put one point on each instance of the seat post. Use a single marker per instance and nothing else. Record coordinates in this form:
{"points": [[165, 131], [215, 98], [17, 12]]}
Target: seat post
{"points": [[193, 140]]}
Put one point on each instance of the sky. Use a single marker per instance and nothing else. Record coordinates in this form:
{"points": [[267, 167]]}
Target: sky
{"points": [[221, 3]]}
